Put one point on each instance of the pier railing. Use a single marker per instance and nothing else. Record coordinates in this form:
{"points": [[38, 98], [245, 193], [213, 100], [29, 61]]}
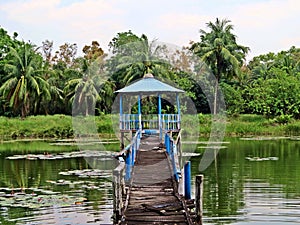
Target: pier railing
{"points": [[149, 121], [119, 191], [173, 149], [183, 177], [130, 153], [122, 174]]}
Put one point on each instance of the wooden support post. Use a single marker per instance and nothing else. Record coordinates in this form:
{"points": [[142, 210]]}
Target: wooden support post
{"points": [[198, 198], [118, 186], [187, 180], [176, 167], [122, 145], [181, 183]]}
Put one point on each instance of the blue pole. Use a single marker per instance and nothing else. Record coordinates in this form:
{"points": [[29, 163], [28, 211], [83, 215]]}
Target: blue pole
{"points": [[140, 111], [121, 111], [132, 155], [167, 143], [187, 180], [159, 117], [128, 166], [178, 111]]}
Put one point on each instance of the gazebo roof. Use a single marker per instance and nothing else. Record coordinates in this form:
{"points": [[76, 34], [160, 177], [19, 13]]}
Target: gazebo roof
{"points": [[149, 85]]}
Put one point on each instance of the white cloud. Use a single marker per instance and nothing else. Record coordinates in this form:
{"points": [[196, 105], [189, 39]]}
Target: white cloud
{"points": [[263, 25], [266, 26], [265, 14], [181, 28], [79, 22]]}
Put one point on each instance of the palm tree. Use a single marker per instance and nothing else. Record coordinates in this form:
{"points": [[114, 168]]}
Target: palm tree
{"points": [[24, 85], [137, 57], [83, 92], [219, 50]]}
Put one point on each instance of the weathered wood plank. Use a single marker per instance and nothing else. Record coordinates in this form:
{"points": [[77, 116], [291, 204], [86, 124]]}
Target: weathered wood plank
{"points": [[153, 197]]}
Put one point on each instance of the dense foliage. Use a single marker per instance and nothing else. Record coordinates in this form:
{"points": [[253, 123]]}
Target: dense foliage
{"points": [[37, 80]]}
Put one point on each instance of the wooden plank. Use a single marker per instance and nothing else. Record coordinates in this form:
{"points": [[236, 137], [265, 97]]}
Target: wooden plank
{"points": [[153, 200]]}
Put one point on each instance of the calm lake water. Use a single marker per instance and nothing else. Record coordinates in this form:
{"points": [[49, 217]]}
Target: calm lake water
{"points": [[251, 182]]}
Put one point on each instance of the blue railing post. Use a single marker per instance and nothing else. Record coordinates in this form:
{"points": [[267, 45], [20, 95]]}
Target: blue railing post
{"points": [[132, 154], [167, 143], [128, 166], [187, 180]]}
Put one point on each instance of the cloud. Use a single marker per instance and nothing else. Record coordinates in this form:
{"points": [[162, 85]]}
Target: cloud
{"points": [[263, 25], [266, 14], [76, 22], [181, 28], [266, 25]]}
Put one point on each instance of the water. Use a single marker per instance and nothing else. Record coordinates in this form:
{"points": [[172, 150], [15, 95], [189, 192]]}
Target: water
{"points": [[251, 182], [66, 190]]}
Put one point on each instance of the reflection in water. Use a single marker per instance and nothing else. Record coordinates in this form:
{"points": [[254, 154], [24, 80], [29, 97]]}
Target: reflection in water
{"points": [[35, 191], [242, 191], [237, 190]]}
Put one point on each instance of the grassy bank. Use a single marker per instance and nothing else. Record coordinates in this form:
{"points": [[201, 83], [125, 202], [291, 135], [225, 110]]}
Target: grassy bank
{"points": [[56, 126], [61, 126]]}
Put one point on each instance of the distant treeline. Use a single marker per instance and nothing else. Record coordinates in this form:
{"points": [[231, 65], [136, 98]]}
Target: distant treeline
{"points": [[38, 80]]}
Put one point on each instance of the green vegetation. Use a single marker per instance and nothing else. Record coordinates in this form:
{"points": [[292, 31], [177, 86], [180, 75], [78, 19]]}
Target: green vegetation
{"points": [[37, 80], [60, 126], [56, 126]]}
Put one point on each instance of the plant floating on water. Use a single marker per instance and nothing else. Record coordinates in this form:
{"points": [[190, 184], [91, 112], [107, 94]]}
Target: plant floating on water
{"points": [[87, 173], [263, 138], [258, 159], [34, 201], [103, 155], [213, 147]]}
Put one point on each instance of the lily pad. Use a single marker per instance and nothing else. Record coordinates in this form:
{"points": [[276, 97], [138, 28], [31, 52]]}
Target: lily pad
{"points": [[66, 155], [34, 201], [87, 173], [259, 159]]}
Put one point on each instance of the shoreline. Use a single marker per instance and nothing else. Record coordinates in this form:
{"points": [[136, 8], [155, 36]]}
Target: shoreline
{"points": [[61, 127]]}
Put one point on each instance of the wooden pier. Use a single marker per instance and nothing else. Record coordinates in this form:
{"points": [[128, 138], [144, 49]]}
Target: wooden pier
{"points": [[151, 185], [151, 195]]}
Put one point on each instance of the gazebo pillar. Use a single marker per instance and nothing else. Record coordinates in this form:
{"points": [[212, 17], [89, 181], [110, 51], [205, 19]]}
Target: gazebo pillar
{"points": [[159, 117], [140, 111], [178, 111], [121, 122]]}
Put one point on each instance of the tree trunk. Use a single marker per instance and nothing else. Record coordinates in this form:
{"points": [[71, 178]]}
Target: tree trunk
{"points": [[23, 111], [216, 97]]}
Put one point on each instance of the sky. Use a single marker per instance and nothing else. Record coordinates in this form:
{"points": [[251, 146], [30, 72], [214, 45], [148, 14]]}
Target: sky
{"points": [[263, 25]]}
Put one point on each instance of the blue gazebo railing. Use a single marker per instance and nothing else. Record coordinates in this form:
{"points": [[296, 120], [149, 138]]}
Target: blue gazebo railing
{"points": [[149, 122]]}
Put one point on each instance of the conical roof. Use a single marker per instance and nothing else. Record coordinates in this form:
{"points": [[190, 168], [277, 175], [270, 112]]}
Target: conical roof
{"points": [[149, 85]]}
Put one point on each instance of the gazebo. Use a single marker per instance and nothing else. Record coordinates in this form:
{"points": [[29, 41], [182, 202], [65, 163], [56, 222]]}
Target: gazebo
{"points": [[154, 123]]}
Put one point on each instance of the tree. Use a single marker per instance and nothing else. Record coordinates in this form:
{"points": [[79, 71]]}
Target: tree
{"points": [[65, 55], [83, 92], [273, 87], [218, 48], [134, 57], [93, 52], [24, 85]]}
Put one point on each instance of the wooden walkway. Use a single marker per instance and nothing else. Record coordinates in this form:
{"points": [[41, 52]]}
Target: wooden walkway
{"points": [[153, 197]]}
